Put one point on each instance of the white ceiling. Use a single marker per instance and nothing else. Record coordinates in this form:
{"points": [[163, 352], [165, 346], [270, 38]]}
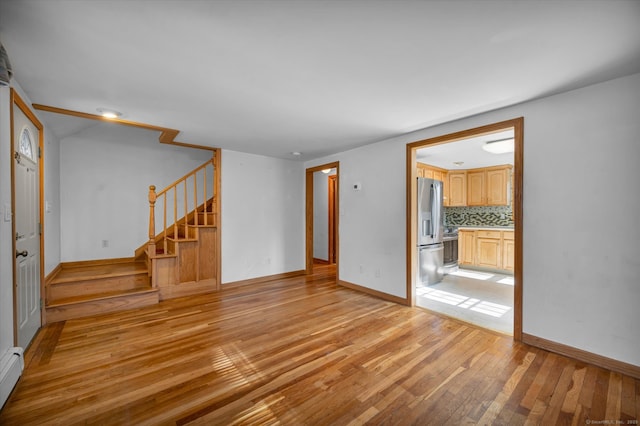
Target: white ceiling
{"points": [[468, 151], [319, 77]]}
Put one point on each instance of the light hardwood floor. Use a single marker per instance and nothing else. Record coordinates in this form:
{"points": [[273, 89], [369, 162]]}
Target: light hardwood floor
{"points": [[302, 351]]}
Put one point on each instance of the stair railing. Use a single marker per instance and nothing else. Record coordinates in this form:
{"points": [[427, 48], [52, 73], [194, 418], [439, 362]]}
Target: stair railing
{"points": [[178, 196]]}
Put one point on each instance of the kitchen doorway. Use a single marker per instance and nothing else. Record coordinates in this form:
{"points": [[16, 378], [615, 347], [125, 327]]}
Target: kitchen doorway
{"points": [[322, 207], [482, 282]]}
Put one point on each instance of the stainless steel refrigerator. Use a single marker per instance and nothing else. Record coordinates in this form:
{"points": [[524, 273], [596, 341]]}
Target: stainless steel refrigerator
{"points": [[430, 232]]}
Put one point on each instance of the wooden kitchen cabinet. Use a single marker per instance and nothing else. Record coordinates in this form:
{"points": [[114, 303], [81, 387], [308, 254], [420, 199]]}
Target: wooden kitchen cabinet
{"points": [[476, 191], [424, 171], [498, 183], [439, 175], [457, 188], [466, 247], [488, 249], [508, 251], [489, 186], [432, 172], [491, 249]]}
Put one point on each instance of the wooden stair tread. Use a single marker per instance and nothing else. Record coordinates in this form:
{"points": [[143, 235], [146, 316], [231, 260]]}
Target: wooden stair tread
{"points": [[161, 255], [99, 296], [182, 240], [94, 272]]}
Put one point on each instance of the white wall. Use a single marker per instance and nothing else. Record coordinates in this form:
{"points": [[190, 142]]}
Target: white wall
{"points": [[581, 241], [262, 216], [52, 200], [6, 249], [372, 225], [105, 173]]}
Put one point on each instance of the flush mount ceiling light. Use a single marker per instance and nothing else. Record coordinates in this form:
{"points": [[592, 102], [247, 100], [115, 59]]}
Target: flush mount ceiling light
{"points": [[501, 146], [326, 171], [296, 153], [109, 113], [458, 163]]}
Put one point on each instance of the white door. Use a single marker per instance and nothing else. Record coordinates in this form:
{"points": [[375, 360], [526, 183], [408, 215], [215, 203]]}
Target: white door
{"points": [[27, 212]]}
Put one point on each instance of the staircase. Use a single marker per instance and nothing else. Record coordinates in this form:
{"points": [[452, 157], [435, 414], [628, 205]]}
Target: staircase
{"points": [[181, 257], [86, 288]]}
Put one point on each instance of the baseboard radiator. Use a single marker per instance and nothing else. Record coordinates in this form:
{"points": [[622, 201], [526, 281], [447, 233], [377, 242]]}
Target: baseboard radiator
{"points": [[11, 366]]}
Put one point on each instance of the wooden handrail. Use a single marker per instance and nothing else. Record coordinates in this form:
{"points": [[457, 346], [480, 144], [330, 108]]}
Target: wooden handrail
{"points": [[185, 177], [186, 199]]}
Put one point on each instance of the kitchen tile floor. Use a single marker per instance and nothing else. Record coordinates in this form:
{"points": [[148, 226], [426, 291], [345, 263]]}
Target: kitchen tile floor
{"points": [[481, 298]]}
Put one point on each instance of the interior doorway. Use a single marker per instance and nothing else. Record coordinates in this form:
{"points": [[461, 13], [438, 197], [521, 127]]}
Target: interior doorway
{"points": [[28, 244], [469, 183], [321, 215], [333, 228]]}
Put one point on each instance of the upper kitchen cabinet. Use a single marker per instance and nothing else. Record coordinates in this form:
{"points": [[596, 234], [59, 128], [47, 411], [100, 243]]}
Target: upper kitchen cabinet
{"points": [[476, 187], [432, 172], [499, 186], [489, 186], [457, 188], [424, 171]]}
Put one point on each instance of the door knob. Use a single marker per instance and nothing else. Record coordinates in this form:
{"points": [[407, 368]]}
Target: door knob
{"points": [[22, 253]]}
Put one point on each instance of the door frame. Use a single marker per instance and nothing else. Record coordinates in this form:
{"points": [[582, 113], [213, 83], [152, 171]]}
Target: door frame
{"points": [[16, 101], [517, 124], [309, 214], [333, 229]]}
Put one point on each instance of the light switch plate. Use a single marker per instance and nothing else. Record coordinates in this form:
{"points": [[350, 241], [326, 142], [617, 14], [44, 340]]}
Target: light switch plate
{"points": [[7, 213]]}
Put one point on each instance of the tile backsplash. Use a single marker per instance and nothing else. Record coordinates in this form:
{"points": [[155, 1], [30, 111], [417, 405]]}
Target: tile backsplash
{"points": [[478, 216]]}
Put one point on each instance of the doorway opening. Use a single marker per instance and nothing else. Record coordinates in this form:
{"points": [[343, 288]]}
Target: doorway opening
{"points": [[479, 272], [322, 188]]}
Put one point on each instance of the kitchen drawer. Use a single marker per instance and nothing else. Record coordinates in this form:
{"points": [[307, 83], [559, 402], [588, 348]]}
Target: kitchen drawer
{"points": [[507, 235], [488, 234]]}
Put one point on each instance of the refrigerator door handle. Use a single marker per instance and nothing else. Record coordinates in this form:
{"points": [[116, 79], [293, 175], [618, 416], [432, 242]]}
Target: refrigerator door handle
{"points": [[432, 195]]}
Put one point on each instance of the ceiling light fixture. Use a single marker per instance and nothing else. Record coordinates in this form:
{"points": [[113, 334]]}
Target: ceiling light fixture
{"points": [[501, 146], [458, 163], [296, 153], [326, 171], [109, 113]]}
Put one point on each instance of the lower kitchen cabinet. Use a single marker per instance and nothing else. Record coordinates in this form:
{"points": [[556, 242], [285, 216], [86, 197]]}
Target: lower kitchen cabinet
{"points": [[487, 249], [488, 252], [466, 247], [508, 251]]}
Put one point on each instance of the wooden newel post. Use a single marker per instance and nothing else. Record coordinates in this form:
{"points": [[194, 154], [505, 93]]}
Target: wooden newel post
{"points": [[152, 220]]}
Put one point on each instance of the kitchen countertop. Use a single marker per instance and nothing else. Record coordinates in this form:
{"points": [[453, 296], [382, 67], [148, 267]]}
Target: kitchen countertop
{"points": [[485, 228]]}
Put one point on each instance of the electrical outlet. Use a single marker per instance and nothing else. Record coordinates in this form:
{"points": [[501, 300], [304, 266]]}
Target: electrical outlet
{"points": [[377, 273], [361, 269], [105, 243]]}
